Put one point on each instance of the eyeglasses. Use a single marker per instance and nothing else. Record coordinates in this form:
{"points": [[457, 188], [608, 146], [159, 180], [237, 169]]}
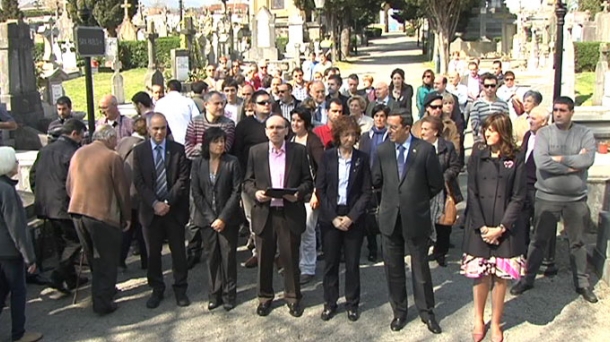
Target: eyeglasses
{"points": [[509, 79], [436, 107], [489, 85], [263, 67], [263, 103]]}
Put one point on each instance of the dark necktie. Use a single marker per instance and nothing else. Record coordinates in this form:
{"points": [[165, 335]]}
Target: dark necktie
{"points": [[161, 183], [318, 117], [401, 161]]}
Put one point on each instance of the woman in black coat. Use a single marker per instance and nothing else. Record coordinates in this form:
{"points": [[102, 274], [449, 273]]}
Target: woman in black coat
{"points": [[216, 184], [343, 186], [401, 92], [431, 129], [493, 244]]}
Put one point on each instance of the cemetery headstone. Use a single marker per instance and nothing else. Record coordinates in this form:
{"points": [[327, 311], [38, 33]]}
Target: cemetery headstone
{"points": [[18, 90], [295, 32], [118, 87], [69, 58], [180, 64], [264, 44], [112, 51], [568, 74], [153, 75], [602, 23], [600, 73], [127, 31], [65, 26]]}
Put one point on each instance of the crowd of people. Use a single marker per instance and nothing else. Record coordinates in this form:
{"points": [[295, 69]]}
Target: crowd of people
{"points": [[307, 169]]}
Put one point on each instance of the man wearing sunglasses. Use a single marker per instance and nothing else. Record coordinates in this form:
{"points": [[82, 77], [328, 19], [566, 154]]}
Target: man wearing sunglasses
{"points": [[486, 105]]}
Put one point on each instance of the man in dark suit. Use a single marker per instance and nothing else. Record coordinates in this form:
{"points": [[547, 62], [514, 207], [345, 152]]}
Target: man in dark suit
{"points": [[278, 222], [48, 182], [409, 174], [382, 92], [161, 176]]}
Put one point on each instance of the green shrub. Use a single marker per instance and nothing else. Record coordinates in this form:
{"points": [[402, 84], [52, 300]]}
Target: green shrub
{"points": [[134, 54], [410, 31], [38, 52], [586, 55], [281, 43]]}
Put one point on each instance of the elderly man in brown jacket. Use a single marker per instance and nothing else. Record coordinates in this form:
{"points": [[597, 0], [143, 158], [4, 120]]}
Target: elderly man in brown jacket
{"points": [[100, 207]]}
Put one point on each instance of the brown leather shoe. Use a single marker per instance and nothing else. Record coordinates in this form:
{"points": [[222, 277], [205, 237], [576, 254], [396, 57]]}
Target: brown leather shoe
{"points": [[250, 263]]}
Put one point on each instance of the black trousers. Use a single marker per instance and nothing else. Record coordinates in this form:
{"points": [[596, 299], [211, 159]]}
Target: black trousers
{"points": [[69, 248], [135, 231], [526, 219], [443, 234], [575, 217], [350, 242], [161, 228], [277, 234], [220, 251], [12, 280], [393, 257], [102, 245], [194, 247]]}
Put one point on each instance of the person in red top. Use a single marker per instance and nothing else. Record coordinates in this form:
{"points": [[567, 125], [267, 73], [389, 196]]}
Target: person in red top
{"points": [[252, 77], [334, 108]]}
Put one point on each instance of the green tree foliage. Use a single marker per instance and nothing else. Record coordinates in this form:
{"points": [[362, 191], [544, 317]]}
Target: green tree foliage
{"points": [[10, 10], [592, 5], [106, 13]]}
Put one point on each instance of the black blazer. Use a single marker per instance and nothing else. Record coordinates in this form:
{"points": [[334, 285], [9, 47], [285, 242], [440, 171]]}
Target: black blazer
{"points": [[226, 190], [406, 97], [450, 165], [358, 186], [409, 194], [177, 168], [48, 179], [496, 192], [297, 175]]}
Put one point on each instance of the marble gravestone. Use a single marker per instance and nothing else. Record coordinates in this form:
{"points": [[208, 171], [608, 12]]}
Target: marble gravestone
{"points": [[153, 75], [68, 57], [264, 44], [295, 33], [18, 90], [600, 74], [180, 64], [602, 23]]}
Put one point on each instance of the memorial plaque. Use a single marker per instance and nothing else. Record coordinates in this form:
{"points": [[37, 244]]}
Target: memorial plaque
{"points": [[90, 41]]}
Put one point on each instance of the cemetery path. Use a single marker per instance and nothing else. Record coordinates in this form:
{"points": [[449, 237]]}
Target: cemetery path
{"points": [[552, 311]]}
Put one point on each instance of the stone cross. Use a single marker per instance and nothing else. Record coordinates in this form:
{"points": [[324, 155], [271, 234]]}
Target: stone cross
{"points": [[151, 36], [605, 6], [126, 6]]}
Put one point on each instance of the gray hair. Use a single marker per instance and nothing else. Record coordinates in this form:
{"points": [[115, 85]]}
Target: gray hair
{"points": [[208, 96], [535, 95], [104, 133]]}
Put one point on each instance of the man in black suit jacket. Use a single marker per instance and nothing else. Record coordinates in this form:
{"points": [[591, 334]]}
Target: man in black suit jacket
{"points": [[409, 174], [382, 92], [278, 222], [161, 176]]}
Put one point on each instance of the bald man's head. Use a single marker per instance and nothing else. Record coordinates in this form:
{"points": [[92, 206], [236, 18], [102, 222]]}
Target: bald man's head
{"points": [[381, 90], [157, 127], [276, 129], [538, 118], [317, 91], [108, 106]]}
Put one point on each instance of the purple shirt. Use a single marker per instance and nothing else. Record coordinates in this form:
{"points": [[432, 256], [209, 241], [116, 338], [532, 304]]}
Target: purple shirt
{"points": [[277, 166], [123, 125]]}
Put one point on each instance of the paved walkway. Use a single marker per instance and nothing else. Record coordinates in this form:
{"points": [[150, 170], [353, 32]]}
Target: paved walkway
{"points": [[550, 312]]}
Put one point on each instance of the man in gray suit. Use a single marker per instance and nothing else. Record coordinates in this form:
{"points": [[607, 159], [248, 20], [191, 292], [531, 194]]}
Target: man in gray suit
{"points": [[382, 93], [409, 175]]}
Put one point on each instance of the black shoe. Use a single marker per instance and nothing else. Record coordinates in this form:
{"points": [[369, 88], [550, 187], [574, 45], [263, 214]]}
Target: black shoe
{"points": [[264, 309], [441, 260], [587, 294], [551, 270], [328, 313], [81, 282], [154, 300], [398, 323], [520, 287], [107, 311], [431, 257], [353, 314], [250, 244], [192, 260], [213, 305], [59, 286], [451, 245], [37, 279], [432, 325], [295, 309], [244, 230], [229, 306], [182, 299], [320, 256]]}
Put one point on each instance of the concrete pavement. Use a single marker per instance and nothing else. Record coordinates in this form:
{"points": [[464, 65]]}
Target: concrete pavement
{"points": [[552, 311]]}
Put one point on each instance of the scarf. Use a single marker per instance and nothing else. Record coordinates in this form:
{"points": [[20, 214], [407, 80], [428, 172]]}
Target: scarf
{"points": [[376, 140]]}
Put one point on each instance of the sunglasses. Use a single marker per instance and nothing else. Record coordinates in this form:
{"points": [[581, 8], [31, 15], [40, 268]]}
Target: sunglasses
{"points": [[263, 103], [282, 91], [509, 79], [489, 85], [436, 107], [427, 76]]}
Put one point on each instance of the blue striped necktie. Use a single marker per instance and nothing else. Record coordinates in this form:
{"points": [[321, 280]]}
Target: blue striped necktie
{"points": [[401, 161], [161, 183]]}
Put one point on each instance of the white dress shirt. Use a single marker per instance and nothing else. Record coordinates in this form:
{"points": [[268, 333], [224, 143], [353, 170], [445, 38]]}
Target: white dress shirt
{"points": [[530, 145], [178, 110]]}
